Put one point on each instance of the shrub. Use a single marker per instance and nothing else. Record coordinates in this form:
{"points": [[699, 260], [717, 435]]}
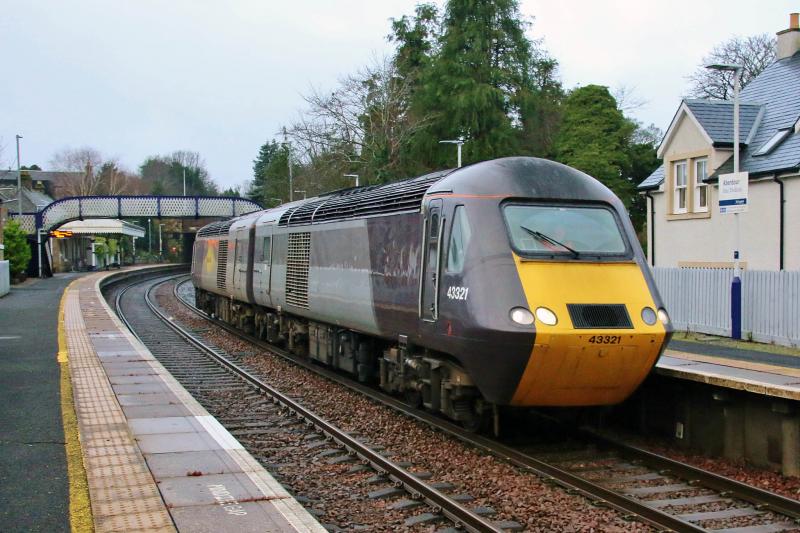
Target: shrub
{"points": [[17, 251]]}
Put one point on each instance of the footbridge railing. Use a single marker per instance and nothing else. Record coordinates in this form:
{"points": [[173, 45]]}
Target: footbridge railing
{"points": [[83, 207]]}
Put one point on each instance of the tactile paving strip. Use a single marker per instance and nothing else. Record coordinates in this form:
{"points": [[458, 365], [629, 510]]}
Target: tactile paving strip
{"points": [[127, 436], [123, 493]]}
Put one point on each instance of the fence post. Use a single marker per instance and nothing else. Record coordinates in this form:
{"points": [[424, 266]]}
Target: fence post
{"points": [[736, 301]]}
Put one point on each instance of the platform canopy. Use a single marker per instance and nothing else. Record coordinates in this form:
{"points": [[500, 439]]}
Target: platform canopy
{"points": [[102, 226]]}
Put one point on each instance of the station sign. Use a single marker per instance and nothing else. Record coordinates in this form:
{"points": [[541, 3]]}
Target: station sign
{"points": [[60, 234], [733, 190]]}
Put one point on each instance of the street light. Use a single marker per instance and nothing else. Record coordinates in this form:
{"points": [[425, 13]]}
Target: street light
{"points": [[19, 182], [736, 285], [160, 245], [288, 147], [457, 142], [303, 193], [352, 176]]}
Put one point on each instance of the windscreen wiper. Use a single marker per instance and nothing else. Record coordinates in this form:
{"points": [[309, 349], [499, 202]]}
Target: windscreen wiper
{"points": [[542, 237]]}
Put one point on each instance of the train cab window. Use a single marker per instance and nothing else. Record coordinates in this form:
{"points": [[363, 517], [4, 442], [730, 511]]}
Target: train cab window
{"points": [[435, 226], [459, 240], [560, 230], [266, 251]]}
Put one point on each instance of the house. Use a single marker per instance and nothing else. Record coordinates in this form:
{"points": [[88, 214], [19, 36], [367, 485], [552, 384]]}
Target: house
{"points": [[685, 227]]}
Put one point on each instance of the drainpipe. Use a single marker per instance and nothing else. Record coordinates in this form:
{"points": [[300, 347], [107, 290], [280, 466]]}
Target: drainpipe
{"points": [[652, 227], [782, 202]]}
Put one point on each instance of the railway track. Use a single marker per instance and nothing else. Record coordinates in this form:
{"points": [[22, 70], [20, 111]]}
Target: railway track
{"points": [[242, 401], [664, 493]]}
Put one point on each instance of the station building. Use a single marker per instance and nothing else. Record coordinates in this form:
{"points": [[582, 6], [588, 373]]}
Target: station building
{"points": [[685, 226]]}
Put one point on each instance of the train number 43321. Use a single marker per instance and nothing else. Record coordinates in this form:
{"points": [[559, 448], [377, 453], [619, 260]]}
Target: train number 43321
{"points": [[457, 293], [605, 339]]}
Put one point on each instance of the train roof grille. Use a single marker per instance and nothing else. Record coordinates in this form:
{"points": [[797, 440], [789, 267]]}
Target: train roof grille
{"points": [[360, 202], [215, 228]]}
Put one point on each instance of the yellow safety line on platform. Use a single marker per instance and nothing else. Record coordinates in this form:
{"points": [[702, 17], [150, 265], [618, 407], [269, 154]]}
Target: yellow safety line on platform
{"points": [[80, 508]]}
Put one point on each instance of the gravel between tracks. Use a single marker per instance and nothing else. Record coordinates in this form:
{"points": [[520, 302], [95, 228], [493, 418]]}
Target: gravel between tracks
{"points": [[513, 494]]}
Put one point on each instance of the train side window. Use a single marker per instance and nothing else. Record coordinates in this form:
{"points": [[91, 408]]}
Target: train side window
{"points": [[459, 240], [241, 252], [266, 251], [435, 226]]}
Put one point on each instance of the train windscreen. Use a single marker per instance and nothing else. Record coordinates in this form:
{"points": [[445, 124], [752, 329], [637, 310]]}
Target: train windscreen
{"points": [[547, 230]]}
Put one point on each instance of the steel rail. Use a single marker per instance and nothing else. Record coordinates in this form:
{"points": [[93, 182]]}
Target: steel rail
{"points": [[763, 499], [626, 505], [461, 516]]}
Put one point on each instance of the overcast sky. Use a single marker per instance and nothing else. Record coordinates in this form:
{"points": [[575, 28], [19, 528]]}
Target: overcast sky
{"points": [[137, 78]]}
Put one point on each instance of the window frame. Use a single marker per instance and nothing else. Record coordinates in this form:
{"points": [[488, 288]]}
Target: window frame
{"points": [[267, 259], [700, 184], [585, 257], [677, 189], [453, 224]]}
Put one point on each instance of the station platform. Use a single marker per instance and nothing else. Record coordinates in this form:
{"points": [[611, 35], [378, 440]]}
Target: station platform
{"points": [[154, 458], [753, 371]]}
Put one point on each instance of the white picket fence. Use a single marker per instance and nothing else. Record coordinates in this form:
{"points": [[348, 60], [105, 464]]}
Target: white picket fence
{"points": [[699, 299]]}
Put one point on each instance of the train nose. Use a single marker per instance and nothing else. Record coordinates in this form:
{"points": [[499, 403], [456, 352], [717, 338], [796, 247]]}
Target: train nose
{"points": [[594, 343]]}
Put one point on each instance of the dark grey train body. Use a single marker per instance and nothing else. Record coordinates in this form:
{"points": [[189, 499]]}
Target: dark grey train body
{"points": [[412, 285]]}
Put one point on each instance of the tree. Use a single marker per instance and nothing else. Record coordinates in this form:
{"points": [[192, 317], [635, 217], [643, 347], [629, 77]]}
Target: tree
{"points": [[17, 250], [361, 127], [595, 137], [163, 175], [754, 53], [481, 77], [83, 161], [266, 153]]}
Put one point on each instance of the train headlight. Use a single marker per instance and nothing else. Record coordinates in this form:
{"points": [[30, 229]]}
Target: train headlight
{"points": [[521, 316], [546, 316], [649, 316], [663, 316]]}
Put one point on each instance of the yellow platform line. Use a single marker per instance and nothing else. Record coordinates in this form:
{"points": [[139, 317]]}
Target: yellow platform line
{"points": [[80, 508]]}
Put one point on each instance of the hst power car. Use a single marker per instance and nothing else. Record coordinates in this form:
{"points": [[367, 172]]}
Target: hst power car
{"points": [[517, 281]]}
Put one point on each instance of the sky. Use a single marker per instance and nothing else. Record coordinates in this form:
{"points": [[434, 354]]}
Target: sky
{"points": [[140, 78]]}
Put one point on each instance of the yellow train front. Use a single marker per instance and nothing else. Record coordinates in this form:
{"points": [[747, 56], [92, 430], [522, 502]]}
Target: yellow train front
{"points": [[551, 302]]}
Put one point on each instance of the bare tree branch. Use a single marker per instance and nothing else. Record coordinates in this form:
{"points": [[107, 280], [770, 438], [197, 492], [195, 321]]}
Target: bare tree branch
{"points": [[754, 53]]}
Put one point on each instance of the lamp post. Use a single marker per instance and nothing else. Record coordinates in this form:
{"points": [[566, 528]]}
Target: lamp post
{"points": [[160, 245], [458, 143], [352, 176], [301, 192], [736, 284], [19, 182], [288, 147], [184, 181]]}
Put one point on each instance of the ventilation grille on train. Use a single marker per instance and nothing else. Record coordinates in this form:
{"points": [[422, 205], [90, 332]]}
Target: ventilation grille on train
{"points": [[215, 228], [222, 264], [591, 316], [297, 262], [398, 197]]}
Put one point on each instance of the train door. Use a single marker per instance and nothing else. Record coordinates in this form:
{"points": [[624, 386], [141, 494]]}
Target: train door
{"points": [[262, 267], [434, 223], [240, 263]]}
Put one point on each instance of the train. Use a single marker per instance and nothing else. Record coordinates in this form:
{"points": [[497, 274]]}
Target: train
{"points": [[512, 282]]}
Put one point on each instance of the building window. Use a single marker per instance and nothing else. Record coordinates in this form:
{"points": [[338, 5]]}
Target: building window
{"points": [[700, 187], [679, 201]]}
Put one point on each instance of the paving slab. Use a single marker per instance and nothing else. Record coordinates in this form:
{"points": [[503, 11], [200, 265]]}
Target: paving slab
{"points": [[155, 459]]}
